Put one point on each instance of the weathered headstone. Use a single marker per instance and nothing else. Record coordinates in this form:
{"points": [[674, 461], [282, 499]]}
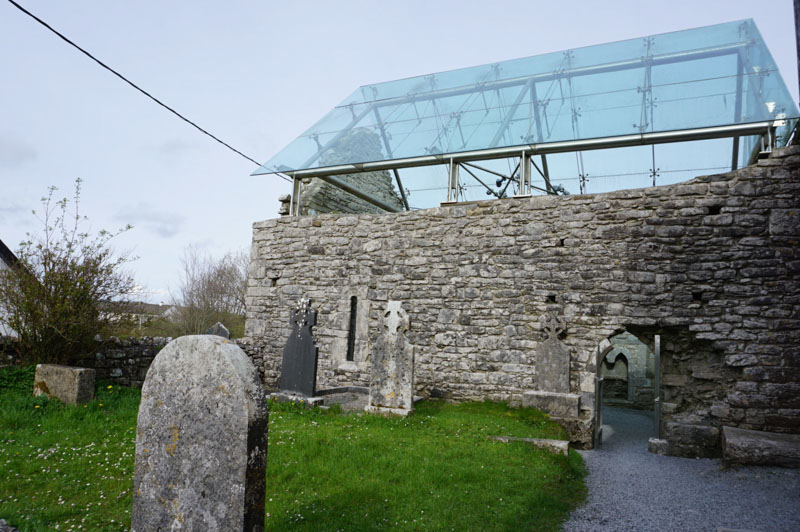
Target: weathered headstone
{"points": [[552, 373], [392, 388], [74, 386], [201, 440], [218, 329], [299, 368], [552, 357]]}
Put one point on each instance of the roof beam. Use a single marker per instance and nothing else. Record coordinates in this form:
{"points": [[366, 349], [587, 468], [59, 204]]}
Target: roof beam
{"points": [[621, 141]]}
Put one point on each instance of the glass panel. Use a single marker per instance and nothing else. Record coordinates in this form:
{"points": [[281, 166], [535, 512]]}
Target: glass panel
{"points": [[712, 76]]}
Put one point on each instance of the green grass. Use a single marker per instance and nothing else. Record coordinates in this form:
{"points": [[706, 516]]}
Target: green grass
{"points": [[71, 468]]}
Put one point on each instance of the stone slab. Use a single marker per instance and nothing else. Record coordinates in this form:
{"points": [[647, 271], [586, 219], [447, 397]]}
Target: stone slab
{"points": [[556, 446], [73, 386], [558, 405], [386, 411], [754, 447], [283, 397], [201, 440]]}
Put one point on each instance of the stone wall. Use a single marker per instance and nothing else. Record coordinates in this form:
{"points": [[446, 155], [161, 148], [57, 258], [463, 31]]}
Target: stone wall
{"points": [[124, 361], [317, 196], [711, 265]]}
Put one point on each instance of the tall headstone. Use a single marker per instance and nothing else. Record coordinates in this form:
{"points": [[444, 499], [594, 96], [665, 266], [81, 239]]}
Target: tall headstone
{"points": [[201, 440], [299, 368], [552, 357], [392, 388], [552, 373]]}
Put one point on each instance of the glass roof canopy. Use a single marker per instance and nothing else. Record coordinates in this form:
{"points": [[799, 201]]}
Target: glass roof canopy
{"points": [[711, 82]]}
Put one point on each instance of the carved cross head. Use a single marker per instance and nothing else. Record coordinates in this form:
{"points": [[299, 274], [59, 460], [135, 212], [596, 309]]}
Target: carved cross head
{"points": [[395, 318], [302, 313], [552, 326]]}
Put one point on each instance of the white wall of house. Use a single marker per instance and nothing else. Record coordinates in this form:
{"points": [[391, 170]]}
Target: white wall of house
{"points": [[4, 331]]}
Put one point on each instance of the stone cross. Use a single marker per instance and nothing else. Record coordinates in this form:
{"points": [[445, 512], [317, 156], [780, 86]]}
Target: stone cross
{"points": [[299, 368], [552, 357], [201, 440], [392, 387]]}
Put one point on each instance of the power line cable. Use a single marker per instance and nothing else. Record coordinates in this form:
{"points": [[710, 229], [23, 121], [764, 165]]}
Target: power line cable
{"points": [[132, 84]]}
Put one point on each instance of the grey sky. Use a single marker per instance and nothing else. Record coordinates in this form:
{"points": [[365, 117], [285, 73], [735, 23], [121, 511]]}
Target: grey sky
{"points": [[256, 74]]}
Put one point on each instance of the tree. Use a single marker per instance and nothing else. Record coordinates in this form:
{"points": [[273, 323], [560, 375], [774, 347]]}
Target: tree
{"points": [[211, 290], [64, 290]]}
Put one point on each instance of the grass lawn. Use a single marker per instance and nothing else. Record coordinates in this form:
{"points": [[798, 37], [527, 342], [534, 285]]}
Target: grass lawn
{"points": [[71, 468]]}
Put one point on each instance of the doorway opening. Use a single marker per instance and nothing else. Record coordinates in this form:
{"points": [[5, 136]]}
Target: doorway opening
{"points": [[625, 389]]}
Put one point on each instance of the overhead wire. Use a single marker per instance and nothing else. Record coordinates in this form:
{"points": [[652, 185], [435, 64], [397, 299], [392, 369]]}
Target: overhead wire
{"points": [[135, 86]]}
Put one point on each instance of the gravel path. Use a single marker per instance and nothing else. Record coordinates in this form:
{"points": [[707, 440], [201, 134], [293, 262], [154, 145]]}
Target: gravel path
{"points": [[631, 489]]}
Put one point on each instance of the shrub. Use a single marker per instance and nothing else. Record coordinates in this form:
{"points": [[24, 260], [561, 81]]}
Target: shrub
{"points": [[64, 289]]}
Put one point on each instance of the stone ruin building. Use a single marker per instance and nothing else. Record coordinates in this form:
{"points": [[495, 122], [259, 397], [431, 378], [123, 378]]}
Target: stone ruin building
{"points": [[537, 299]]}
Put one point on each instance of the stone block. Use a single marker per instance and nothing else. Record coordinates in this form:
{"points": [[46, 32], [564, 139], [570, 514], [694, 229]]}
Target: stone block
{"points": [[691, 440], [73, 386], [559, 405], [754, 447], [657, 446], [201, 440]]}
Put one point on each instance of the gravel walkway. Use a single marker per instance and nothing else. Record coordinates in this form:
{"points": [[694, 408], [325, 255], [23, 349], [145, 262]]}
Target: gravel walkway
{"points": [[631, 489]]}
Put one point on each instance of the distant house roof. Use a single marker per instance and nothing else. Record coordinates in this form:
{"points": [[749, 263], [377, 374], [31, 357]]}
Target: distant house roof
{"points": [[7, 255]]}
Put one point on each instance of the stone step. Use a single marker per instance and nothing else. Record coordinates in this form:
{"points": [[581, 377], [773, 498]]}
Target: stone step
{"points": [[753, 447]]}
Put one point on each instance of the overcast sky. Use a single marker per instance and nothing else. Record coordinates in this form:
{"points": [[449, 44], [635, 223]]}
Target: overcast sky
{"points": [[256, 74]]}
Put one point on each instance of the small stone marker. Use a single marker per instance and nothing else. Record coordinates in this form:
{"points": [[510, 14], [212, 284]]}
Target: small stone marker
{"points": [[74, 386], [201, 440], [392, 388], [299, 367], [218, 329]]}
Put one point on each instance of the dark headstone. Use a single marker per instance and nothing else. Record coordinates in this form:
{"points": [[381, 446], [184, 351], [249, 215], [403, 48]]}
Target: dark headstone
{"points": [[201, 440], [299, 368], [218, 329]]}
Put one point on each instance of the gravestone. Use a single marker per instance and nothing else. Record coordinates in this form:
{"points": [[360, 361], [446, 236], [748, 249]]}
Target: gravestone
{"points": [[218, 329], [552, 357], [201, 440], [392, 388], [552, 373], [299, 368], [73, 386]]}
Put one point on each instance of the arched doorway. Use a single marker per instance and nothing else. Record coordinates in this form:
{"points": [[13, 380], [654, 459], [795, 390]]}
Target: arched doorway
{"points": [[614, 372], [627, 378]]}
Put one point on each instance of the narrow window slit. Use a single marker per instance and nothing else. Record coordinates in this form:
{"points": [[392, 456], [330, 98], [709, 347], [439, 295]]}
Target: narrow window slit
{"points": [[351, 332]]}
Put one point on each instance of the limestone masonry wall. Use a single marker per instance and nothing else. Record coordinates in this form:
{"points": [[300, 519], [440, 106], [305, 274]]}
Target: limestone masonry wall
{"points": [[712, 265], [125, 361]]}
